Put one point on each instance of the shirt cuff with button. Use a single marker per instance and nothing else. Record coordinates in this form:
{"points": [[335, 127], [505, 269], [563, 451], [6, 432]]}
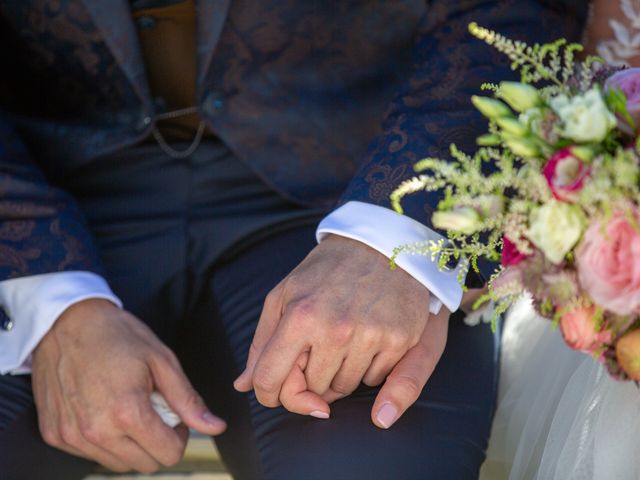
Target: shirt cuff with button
{"points": [[33, 304], [383, 230]]}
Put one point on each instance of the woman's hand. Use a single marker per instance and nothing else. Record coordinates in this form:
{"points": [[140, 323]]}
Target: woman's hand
{"points": [[343, 317]]}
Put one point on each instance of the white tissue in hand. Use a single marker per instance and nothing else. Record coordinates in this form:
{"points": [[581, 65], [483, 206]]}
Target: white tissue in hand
{"points": [[162, 408]]}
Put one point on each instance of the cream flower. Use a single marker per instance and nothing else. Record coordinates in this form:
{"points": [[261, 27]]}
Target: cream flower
{"points": [[464, 220], [585, 118], [555, 228]]}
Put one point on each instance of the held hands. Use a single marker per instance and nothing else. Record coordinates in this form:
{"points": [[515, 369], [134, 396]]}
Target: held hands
{"points": [[343, 317], [92, 377]]}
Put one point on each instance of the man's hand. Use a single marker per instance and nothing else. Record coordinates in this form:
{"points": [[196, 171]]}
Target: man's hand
{"points": [[342, 317], [92, 377]]}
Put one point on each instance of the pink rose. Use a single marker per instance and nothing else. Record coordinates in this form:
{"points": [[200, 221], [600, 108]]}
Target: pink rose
{"points": [[579, 330], [609, 265], [629, 82], [510, 254], [565, 175]]}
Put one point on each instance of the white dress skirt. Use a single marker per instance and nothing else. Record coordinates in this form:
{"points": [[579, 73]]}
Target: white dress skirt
{"points": [[560, 416]]}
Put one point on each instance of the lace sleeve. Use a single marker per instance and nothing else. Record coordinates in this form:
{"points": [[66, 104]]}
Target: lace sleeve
{"points": [[613, 31]]}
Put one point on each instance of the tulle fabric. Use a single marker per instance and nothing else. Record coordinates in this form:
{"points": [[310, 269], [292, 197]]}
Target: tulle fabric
{"points": [[560, 416]]}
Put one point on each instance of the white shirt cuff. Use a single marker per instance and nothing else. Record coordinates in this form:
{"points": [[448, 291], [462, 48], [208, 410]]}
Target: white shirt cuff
{"points": [[34, 303], [383, 230]]}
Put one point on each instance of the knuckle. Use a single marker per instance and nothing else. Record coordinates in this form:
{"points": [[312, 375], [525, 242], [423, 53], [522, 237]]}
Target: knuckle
{"points": [[264, 383], [92, 433], [269, 401], [370, 337], [301, 313], [342, 332], [342, 387], [273, 296], [50, 437], [192, 400], [163, 356], [125, 418], [69, 435], [398, 340], [169, 356], [407, 385], [172, 457], [373, 381]]}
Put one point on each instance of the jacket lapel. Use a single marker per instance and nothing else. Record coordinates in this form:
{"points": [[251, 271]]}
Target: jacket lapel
{"points": [[211, 16], [114, 20]]}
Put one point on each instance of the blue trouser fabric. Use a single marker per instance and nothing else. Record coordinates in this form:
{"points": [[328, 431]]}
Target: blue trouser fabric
{"points": [[192, 247]]}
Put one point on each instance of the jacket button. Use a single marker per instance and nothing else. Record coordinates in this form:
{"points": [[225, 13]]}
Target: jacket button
{"points": [[6, 323], [213, 103], [143, 122]]}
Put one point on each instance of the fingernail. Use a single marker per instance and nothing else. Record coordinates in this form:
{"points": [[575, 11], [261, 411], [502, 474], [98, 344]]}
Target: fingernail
{"points": [[387, 415], [212, 420], [319, 414]]}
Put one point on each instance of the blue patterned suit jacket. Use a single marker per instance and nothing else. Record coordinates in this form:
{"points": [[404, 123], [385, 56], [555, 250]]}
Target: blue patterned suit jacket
{"points": [[325, 99]]}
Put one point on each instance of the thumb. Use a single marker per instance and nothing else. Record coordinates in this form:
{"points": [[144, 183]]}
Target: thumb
{"points": [[172, 383], [295, 397], [404, 384]]}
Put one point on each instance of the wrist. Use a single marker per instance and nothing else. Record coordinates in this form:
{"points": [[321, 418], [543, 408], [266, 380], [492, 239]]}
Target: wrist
{"points": [[80, 314]]}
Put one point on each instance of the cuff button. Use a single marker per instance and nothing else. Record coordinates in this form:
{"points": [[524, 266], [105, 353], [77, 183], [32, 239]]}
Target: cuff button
{"points": [[6, 323]]}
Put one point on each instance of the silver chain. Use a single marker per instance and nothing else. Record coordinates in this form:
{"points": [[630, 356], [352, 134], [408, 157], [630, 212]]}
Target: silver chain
{"points": [[164, 145]]}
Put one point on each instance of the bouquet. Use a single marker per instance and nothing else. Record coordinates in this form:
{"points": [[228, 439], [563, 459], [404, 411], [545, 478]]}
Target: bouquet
{"points": [[553, 195]]}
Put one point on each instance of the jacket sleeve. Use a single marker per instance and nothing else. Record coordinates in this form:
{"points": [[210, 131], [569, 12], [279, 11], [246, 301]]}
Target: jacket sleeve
{"points": [[433, 108], [41, 228]]}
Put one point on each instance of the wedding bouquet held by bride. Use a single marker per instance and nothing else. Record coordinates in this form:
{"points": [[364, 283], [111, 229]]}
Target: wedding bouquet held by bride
{"points": [[553, 194]]}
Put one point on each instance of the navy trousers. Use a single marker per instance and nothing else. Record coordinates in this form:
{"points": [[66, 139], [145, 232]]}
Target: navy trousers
{"points": [[192, 247]]}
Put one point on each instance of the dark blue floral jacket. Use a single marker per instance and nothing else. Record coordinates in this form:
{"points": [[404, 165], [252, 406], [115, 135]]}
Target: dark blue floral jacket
{"points": [[328, 100]]}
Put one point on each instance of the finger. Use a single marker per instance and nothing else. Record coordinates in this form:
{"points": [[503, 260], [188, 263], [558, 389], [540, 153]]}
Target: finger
{"points": [[98, 455], [86, 442], [352, 371], [170, 381], [61, 432], [323, 366], [406, 381], [275, 363], [381, 366], [269, 319], [131, 453], [147, 429], [295, 397]]}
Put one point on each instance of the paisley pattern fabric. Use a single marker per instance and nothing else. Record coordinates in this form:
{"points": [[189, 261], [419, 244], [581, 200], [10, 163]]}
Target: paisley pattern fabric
{"points": [[320, 99]]}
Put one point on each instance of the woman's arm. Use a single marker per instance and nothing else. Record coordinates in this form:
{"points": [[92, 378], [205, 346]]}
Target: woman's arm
{"points": [[613, 31]]}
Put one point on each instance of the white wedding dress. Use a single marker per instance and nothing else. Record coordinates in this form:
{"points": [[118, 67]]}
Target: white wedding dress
{"points": [[560, 416]]}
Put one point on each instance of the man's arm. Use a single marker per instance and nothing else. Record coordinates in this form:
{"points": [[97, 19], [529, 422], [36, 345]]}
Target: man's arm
{"points": [[94, 370], [309, 314], [433, 108], [32, 305]]}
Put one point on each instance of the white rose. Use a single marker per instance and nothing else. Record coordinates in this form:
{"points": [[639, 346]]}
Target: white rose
{"points": [[555, 228], [585, 118]]}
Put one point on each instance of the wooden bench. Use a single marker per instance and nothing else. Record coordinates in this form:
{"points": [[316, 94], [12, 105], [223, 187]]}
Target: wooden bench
{"points": [[201, 462]]}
